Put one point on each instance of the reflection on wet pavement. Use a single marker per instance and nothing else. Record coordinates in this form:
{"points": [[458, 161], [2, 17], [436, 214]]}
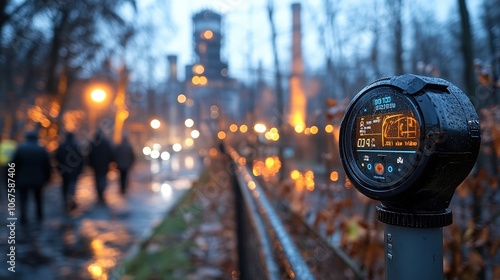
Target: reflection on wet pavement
{"points": [[88, 242]]}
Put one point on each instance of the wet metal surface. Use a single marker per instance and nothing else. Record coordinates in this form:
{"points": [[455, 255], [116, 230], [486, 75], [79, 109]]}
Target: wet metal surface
{"points": [[89, 242]]}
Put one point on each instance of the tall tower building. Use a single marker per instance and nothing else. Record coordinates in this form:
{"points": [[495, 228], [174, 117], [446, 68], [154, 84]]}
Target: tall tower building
{"points": [[207, 38]]}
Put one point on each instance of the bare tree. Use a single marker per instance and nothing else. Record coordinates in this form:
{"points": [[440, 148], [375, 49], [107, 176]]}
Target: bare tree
{"points": [[74, 43], [396, 14], [467, 48], [278, 85]]}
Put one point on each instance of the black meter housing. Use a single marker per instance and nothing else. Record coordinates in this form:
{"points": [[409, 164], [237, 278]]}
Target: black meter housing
{"points": [[409, 141]]}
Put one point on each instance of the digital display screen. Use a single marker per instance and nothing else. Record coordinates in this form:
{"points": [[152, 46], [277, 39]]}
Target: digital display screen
{"points": [[395, 130], [386, 137]]}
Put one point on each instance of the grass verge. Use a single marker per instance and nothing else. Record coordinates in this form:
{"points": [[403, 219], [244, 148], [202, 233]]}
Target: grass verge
{"points": [[166, 255]]}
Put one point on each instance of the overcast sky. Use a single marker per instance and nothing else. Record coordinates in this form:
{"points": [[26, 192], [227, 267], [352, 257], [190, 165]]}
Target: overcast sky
{"points": [[246, 30]]}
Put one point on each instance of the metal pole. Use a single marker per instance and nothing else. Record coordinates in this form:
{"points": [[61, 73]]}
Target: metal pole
{"points": [[413, 253]]}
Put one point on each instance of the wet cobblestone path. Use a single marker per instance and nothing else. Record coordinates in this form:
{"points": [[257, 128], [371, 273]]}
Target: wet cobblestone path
{"points": [[88, 242]]}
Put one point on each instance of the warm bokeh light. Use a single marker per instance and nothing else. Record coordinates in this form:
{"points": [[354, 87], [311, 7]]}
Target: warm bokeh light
{"points": [[328, 128], [98, 95], [260, 128], [334, 176], [195, 133], [309, 180], [146, 151], [233, 127], [203, 80], [165, 155], [258, 166], [208, 34], [189, 142], [295, 174], [155, 154], [314, 129], [155, 123], [198, 69], [243, 128], [242, 161], [221, 135], [189, 122], [269, 162], [251, 185], [156, 146], [307, 131], [181, 98], [299, 128], [177, 147], [195, 80], [95, 270], [213, 152]]}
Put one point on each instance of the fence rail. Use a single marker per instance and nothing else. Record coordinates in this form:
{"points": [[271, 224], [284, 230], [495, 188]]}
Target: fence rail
{"points": [[268, 229]]}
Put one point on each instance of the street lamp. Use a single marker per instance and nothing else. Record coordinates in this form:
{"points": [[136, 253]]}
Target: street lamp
{"points": [[97, 98], [98, 95], [155, 123], [189, 123]]}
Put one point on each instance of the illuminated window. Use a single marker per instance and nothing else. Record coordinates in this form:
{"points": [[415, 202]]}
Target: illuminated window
{"points": [[207, 34], [203, 80], [198, 69]]}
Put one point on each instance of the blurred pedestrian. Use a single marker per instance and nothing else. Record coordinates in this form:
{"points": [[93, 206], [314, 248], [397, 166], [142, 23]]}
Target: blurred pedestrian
{"points": [[70, 165], [32, 173], [7, 149], [124, 157], [100, 157]]}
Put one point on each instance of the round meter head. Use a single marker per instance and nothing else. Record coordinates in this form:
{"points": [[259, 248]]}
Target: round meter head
{"points": [[409, 141], [385, 138]]}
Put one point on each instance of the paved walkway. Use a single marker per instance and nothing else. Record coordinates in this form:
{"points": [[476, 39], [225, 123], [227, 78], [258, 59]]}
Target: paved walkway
{"points": [[88, 242]]}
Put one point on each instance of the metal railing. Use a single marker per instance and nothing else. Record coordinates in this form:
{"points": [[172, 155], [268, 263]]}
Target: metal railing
{"points": [[266, 249], [269, 231]]}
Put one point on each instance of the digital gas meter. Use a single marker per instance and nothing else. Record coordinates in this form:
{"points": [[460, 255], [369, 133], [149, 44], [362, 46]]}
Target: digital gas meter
{"points": [[409, 141]]}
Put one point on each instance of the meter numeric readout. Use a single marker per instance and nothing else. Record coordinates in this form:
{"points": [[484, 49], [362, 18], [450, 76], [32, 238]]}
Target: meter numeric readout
{"points": [[386, 144]]}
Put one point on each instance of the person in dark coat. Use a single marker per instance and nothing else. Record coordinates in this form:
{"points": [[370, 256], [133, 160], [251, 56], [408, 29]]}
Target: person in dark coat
{"points": [[32, 164], [70, 165], [100, 156], [124, 157]]}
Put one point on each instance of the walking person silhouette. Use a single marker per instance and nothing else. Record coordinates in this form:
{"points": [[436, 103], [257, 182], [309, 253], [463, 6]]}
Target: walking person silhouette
{"points": [[99, 158], [124, 156], [70, 165], [33, 172]]}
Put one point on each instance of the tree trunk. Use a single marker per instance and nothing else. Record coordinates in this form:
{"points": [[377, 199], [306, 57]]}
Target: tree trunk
{"points": [[467, 49], [279, 90]]}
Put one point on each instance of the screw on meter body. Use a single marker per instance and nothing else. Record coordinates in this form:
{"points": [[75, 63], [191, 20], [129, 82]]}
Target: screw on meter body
{"points": [[409, 141]]}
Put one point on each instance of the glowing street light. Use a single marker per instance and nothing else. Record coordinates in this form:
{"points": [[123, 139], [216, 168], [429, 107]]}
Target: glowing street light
{"points": [[189, 122], [260, 128], [155, 124], [98, 95], [195, 133], [181, 98], [177, 147]]}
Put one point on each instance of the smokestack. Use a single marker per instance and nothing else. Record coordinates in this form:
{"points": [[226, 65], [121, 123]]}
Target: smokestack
{"points": [[297, 64], [298, 100], [172, 64]]}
